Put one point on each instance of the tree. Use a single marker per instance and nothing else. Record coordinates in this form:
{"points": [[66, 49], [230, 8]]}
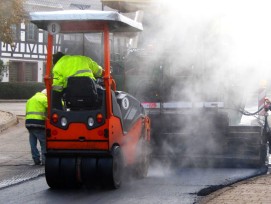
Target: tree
{"points": [[11, 13]]}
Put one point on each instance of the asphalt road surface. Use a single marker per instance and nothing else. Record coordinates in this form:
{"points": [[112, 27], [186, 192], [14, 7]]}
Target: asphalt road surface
{"points": [[162, 185]]}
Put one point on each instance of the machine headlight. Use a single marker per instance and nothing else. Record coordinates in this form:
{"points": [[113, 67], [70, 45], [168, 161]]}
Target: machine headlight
{"points": [[90, 121], [64, 121]]}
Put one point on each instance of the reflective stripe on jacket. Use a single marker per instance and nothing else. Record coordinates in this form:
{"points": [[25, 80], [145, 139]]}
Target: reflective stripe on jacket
{"points": [[36, 111], [75, 65]]}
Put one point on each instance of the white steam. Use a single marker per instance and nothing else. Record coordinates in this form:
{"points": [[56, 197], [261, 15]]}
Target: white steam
{"points": [[232, 37], [219, 44]]}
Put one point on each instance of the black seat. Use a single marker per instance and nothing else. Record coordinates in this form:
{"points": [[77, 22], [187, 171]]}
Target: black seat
{"points": [[81, 94]]}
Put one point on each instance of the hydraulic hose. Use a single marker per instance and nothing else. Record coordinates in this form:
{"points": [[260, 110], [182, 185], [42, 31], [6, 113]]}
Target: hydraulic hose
{"points": [[244, 112]]}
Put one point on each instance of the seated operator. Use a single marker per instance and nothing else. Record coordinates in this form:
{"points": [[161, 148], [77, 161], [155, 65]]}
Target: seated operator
{"points": [[71, 65]]}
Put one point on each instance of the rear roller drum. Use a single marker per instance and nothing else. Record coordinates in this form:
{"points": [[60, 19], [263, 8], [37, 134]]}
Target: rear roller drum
{"points": [[111, 169], [89, 173], [52, 172], [68, 172]]}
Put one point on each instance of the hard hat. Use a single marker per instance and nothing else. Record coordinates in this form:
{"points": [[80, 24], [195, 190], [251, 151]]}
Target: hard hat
{"points": [[44, 91]]}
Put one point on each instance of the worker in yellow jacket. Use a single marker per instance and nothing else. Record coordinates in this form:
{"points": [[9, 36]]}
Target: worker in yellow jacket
{"points": [[66, 66], [36, 112], [73, 65]]}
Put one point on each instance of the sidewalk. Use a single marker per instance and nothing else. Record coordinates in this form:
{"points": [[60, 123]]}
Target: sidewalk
{"points": [[15, 156], [256, 190]]}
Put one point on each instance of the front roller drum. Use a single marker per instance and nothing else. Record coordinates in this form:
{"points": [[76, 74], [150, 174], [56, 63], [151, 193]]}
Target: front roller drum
{"points": [[111, 169]]}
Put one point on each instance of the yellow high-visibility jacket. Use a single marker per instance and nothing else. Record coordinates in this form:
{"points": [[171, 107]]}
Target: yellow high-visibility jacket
{"points": [[36, 111], [74, 65]]}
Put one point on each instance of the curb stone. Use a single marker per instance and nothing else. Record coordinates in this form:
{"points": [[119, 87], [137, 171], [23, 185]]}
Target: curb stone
{"points": [[9, 120]]}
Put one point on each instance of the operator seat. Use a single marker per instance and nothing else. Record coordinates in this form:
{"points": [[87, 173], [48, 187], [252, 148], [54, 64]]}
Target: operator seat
{"points": [[81, 94]]}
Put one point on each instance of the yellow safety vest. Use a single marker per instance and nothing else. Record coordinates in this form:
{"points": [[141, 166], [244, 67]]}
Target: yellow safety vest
{"points": [[75, 65], [36, 107]]}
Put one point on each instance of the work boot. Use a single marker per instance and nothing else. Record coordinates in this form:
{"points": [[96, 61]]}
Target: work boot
{"points": [[37, 162]]}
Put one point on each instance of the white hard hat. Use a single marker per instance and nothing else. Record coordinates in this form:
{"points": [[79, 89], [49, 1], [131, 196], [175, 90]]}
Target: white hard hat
{"points": [[44, 91]]}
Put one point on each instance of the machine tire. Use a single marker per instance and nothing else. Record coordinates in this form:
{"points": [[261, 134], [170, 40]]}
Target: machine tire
{"points": [[143, 159], [111, 169], [89, 172], [52, 172]]}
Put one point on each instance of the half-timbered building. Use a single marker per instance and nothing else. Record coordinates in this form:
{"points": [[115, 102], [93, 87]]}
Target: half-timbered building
{"points": [[24, 60]]}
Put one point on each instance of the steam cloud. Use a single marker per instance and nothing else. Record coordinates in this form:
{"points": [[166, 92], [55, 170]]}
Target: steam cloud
{"points": [[229, 39], [223, 46]]}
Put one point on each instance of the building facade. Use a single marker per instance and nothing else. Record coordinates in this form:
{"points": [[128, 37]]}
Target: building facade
{"points": [[25, 60]]}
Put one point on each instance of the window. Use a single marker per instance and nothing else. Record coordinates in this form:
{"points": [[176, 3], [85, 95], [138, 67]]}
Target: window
{"points": [[23, 71], [45, 37], [30, 72], [15, 32], [14, 71], [31, 33]]}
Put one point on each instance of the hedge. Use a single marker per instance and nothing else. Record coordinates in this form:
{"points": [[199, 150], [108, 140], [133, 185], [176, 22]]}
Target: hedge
{"points": [[15, 90]]}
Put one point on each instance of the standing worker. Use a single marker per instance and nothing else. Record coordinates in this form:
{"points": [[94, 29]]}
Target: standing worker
{"points": [[36, 111]]}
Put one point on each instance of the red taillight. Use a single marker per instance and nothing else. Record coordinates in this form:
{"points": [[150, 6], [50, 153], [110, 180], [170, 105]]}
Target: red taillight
{"points": [[55, 118], [99, 118]]}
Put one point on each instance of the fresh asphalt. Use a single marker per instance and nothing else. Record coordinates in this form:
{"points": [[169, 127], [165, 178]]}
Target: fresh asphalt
{"points": [[163, 185]]}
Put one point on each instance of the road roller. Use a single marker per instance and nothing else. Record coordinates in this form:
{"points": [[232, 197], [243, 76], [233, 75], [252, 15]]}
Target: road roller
{"points": [[98, 133]]}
